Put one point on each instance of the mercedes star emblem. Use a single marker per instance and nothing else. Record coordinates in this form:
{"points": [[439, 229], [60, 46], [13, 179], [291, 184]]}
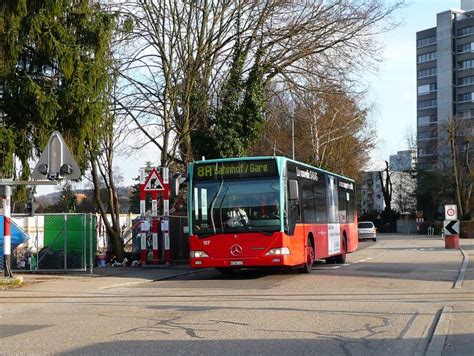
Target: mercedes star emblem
{"points": [[236, 250]]}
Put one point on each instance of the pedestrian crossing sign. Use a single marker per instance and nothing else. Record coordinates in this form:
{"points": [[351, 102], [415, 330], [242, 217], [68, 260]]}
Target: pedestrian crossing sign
{"points": [[153, 183]]}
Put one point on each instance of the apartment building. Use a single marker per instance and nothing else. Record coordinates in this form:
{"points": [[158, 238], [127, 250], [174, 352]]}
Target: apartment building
{"points": [[445, 82], [403, 161], [371, 195]]}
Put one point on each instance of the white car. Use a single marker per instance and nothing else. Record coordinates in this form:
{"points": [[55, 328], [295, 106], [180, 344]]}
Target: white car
{"points": [[367, 230]]}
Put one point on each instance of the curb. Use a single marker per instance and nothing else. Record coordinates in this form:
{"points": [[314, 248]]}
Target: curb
{"points": [[440, 332], [149, 280], [462, 270], [10, 282]]}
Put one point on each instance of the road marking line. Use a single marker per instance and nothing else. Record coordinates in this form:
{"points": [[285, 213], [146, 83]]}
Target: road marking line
{"points": [[440, 332], [127, 284], [462, 271]]}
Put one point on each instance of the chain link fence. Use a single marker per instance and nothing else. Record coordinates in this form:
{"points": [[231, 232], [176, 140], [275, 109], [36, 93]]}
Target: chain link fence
{"points": [[57, 242], [70, 242]]}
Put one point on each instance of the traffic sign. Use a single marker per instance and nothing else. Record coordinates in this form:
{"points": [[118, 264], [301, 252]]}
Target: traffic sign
{"points": [[56, 161], [451, 227], [450, 212], [153, 183]]}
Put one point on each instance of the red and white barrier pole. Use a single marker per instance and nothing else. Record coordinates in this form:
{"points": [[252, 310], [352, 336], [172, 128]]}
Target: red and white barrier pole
{"points": [[166, 216], [156, 184], [154, 226], [142, 192], [7, 272], [143, 252]]}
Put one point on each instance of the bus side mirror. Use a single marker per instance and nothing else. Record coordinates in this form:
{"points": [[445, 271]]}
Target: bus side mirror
{"points": [[176, 182], [293, 193]]}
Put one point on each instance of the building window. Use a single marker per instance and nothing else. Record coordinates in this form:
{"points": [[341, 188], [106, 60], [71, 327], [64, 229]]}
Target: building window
{"points": [[464, 98], [426, 152], [465, 48], [426, 135], [466, 64], [426, 120], [465, 31], [425, 73], [422, 58], [427, 104], [465, 81], [426, 41], [427, 88], [467, 114]]}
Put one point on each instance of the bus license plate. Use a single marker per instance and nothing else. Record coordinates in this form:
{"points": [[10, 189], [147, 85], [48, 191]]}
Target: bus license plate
{"points": [[236, 263]]}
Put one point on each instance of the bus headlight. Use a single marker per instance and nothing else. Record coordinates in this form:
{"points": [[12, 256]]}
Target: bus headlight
{"points": [[278, 251], [198, 254]]}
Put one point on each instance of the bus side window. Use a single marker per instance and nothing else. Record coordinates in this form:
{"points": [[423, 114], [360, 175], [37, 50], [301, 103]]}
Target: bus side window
{"points": [[332, 200], [321, 202], [294, 210]]}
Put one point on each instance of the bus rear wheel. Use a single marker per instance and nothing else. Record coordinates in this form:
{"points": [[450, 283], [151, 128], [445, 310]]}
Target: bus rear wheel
{"points": [[308, 266], [342, 257]]}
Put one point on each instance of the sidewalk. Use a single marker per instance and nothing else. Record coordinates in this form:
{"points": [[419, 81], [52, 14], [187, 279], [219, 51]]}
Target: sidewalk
{"points": [[101, 278], [460, 339]]}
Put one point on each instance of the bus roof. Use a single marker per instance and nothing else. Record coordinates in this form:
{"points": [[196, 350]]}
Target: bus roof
{"points": [[281, 159]]}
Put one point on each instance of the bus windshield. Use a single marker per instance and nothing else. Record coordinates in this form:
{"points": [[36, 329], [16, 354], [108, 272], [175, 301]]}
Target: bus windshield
{"points": [[236, 205]]}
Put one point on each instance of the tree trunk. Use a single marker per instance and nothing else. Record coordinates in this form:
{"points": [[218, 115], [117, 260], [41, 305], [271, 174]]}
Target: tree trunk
{"points": [[112, 229], [454, 157]]}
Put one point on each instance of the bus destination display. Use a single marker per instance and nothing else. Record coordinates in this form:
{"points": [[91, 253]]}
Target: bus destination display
{"points": [[235, 169]]}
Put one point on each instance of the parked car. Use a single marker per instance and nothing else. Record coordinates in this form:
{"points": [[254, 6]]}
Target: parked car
{"points": [[367, 230]]}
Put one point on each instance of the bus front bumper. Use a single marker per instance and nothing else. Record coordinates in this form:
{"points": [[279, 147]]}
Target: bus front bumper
{"points": [[265, 261]]}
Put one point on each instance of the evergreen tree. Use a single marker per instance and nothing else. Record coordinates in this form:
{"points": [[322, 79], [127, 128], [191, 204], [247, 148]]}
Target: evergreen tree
{"points": [[55, 77]]}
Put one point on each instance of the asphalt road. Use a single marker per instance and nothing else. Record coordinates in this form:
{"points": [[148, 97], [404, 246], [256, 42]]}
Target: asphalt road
{"points": [[387, 299]]}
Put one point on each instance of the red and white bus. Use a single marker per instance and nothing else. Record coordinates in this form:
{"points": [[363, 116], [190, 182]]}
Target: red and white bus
{"points": [[268, 211]]}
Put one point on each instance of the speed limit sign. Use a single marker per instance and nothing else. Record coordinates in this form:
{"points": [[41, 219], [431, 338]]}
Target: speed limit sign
{"points": [[450, 212]]}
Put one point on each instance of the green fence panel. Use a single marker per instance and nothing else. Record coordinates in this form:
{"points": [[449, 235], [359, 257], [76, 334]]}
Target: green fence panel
{"points": [[54, 232], [72, 235], [91, 239]]}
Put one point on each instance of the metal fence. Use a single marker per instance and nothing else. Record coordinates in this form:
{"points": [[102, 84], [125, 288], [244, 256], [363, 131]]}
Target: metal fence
{"points": [[64, 242], [179, 243], [69, 242]]}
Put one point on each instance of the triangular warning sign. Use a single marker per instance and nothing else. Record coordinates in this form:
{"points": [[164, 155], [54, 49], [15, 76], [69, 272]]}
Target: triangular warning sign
{"points": [[153, 183], [56, 161]]}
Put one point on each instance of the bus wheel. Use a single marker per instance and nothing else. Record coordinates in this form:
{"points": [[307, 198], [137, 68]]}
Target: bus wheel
{"points": [[308, 266], [342, 257]]}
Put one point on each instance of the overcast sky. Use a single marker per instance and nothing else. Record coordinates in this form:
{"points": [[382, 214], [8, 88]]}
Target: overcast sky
{"points": [[392, 90]]}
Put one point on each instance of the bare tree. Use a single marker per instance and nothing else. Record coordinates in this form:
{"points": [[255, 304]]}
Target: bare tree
{"points": [[332, 129], [387, 187], [460, 140], [183, 50], [404, 191]]}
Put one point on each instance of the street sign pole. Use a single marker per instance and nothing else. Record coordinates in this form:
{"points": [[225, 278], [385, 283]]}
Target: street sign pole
{"points": [[451, 233], [7, 272]]}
